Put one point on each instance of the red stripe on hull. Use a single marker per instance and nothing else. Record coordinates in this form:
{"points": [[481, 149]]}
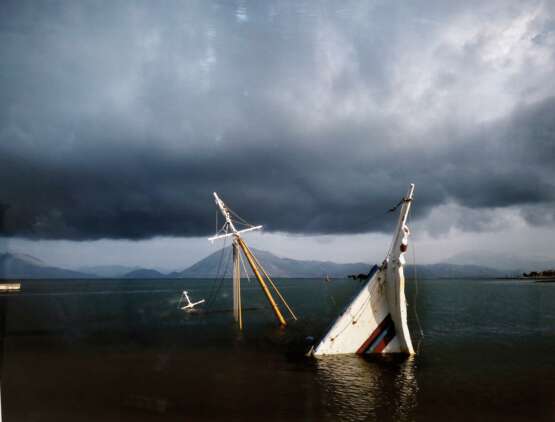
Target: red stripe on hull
{"points": [[374, 334], [385, 341]]}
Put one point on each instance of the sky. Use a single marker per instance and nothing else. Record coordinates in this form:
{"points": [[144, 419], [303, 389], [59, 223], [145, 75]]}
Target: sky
{"points": [[119, 119]]}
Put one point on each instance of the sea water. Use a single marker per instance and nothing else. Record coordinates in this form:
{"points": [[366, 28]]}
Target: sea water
{"points": [[122, 350]]}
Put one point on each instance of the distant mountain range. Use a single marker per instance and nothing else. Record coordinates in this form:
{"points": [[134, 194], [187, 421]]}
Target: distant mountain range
{"points": [[27, 266], [219, 263], [108, 271], [143, 273], [20, 266], [501, 261]]}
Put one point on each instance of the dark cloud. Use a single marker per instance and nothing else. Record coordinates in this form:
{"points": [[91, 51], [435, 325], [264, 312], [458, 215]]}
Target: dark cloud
{"points": [[119, 120]]}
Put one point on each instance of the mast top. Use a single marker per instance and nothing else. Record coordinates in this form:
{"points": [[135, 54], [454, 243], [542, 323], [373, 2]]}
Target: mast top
{"points": [[225, 212], [229, 222]]}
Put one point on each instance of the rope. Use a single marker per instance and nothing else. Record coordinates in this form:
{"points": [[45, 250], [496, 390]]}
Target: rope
{"points": [[222, 229], [357, 314], [222, 279], [239, 218], [244, 267], [398, 204], [354, 317], [273, 285], [213, 292], [421, 332], [330, 296]]}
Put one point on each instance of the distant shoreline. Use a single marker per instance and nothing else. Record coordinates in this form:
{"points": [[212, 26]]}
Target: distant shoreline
{"points": [[538, 279], [208, 277]]}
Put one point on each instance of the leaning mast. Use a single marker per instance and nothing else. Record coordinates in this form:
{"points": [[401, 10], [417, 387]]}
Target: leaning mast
{"points": [[239, 246]]}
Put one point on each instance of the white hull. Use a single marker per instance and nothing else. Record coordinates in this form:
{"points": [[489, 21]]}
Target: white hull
{"points": [[376, 320]]}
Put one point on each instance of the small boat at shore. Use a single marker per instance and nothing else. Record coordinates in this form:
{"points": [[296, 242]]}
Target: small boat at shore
{"points": [[376, 319], [10, 287]]}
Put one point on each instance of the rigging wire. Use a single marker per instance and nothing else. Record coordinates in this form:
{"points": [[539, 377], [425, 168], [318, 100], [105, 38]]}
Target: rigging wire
{"points": [[328, 293], [222, 279], [276, 289], [244, 267], [255, 259], [240, 219], [212, 294], [354, 317], [415, 297], [225, 229]]}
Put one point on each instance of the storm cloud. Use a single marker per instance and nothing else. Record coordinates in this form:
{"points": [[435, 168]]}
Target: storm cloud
{"points": [[119, 119]]}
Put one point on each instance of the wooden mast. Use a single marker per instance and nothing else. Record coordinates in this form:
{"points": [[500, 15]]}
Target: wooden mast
{"points": [[261, 281], [239, 243], [237, 311]]}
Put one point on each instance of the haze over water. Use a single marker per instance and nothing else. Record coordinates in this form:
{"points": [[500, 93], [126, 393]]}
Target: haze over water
{"points": [[116, 350]]}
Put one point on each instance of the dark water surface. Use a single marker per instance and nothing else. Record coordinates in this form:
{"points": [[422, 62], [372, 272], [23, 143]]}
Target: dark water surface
{"points": [[121, 350]]}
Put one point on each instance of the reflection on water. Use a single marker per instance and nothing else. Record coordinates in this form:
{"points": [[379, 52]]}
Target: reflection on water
{"points": [[358, 389], [351, 386], [407, 386]]}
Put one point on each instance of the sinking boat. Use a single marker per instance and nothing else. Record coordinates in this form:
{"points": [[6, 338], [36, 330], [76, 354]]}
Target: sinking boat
{"points": [[229, 229], [376, 319]]}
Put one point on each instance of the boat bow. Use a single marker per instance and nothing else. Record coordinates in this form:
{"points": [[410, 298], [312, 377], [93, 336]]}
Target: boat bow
{"points": [[376, 320]]}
